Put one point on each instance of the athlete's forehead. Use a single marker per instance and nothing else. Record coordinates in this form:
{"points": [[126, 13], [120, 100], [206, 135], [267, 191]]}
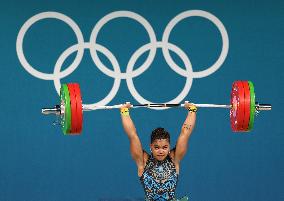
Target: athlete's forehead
{"points": [[161, 142]]}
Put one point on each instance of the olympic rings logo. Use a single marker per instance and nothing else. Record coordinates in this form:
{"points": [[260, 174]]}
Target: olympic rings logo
{"points": [[152, 46]]}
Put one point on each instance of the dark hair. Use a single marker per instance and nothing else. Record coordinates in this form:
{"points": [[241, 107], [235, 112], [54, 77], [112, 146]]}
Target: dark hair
{"points": [[160, 133]]}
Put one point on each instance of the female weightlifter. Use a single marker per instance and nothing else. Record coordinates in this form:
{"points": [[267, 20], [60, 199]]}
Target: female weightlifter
{"points": [[158, 171]]}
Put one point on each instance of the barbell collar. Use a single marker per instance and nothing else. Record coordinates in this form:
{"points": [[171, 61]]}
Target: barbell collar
{"points": [[55, 110], [262, 107]]}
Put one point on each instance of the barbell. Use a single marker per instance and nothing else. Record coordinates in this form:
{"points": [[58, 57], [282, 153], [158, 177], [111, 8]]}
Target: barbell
{"points": [[243, 107]]}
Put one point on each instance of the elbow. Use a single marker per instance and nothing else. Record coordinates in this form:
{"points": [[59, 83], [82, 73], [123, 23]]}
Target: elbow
{"points": [[185, 131]]}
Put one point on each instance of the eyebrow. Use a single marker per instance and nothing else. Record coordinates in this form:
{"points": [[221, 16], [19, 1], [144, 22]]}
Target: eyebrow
{"points": [[161, 146]]}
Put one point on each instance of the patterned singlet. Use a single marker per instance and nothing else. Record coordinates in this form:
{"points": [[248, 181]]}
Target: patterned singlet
{"points": [[159, 179]]}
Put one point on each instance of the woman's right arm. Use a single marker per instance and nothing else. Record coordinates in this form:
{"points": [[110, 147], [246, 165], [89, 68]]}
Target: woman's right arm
{"points": [[136, 149]]}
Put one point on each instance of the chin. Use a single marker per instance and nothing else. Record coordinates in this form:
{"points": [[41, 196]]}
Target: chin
{"points": [[160, 158]]}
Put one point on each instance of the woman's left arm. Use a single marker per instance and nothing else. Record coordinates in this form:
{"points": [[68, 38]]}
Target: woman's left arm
{"points": [[186, 130]]}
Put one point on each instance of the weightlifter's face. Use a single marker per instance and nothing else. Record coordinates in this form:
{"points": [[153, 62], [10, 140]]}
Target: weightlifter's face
{"points": [[160, 149]]}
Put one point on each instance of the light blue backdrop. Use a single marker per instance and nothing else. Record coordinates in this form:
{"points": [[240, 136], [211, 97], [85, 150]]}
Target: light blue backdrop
{"points": [[38, 163]]}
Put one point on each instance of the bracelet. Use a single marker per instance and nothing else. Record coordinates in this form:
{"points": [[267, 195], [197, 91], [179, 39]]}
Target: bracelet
{"points": [[124, 111], [192, 108]]}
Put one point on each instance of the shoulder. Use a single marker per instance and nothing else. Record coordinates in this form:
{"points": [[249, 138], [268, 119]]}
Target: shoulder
{"points": [[145, 159], [172, 157], [172, 154]]}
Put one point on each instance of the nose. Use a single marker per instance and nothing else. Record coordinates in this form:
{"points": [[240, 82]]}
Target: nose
{"points": [[161, 151]]}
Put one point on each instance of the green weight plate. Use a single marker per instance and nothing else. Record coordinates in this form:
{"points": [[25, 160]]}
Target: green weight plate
{"points": [[252, 105], [65, 109]]}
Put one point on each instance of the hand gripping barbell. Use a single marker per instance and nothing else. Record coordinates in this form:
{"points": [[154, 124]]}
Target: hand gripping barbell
{"points": [[243, 107]]}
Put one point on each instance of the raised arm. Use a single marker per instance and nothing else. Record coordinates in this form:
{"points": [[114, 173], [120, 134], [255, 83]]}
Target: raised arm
{"points": [[186, 130], [135, 144]]}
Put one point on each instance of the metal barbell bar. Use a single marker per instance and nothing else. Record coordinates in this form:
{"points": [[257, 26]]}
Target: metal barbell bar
{"points": [[86, 108]]}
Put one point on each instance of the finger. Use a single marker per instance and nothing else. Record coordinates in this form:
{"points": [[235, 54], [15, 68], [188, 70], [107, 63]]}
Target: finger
{"points": [[128, 105]]}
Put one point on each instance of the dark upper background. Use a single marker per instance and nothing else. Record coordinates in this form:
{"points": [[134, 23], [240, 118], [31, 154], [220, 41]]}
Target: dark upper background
{"points": [[38, 163]]}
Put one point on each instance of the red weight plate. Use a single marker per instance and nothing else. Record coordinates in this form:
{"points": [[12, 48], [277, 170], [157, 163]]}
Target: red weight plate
{"points": [[73, 104], [241, 108], [234, 107], [78, 114], [237, 106], [73, 107], [247, 106], [79, 107]]}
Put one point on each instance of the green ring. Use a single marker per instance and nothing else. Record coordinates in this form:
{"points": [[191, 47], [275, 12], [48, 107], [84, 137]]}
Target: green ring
{"points": [[252, 105], [66, 117]]}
